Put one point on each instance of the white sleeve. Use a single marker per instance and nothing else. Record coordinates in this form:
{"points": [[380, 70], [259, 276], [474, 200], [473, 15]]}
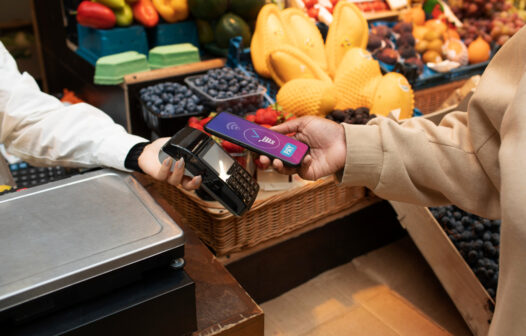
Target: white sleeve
{"points": [[38, 128]]}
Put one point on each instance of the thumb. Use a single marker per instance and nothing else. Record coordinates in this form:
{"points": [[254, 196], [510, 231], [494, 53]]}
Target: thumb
{"points": [[291, 126]]}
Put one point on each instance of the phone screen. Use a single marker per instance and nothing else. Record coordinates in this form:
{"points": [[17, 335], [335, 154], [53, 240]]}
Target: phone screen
{"points": [[257, 138]]}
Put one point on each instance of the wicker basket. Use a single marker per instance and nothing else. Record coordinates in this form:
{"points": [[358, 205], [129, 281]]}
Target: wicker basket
{"points": [[268, 218], [431, 99]]}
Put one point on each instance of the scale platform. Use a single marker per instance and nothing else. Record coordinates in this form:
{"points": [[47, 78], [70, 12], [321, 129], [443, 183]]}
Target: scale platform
{"points": [[73, 240]]}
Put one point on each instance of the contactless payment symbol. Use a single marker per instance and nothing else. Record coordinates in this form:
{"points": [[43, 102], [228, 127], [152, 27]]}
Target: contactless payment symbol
{"points": [[232, 126], [288, 150]]}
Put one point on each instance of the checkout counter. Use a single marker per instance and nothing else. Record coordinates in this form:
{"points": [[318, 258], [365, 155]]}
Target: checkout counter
{"points": [[92, 254]]}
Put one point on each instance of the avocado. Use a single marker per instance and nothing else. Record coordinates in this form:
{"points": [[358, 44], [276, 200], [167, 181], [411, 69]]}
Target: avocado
{"points": [[207, 9], [247, 9], [230, 25]]}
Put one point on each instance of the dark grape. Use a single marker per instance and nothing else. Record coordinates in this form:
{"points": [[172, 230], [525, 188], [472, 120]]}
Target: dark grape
{"points": [[477, 239]]}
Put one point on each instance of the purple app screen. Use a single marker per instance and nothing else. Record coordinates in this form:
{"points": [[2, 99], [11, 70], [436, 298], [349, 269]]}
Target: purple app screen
{"points": [[273, 143]]}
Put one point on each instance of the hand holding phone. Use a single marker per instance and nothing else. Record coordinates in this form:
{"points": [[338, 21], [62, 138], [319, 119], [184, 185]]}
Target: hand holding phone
{"points": [[328, 149], [258, 138]]}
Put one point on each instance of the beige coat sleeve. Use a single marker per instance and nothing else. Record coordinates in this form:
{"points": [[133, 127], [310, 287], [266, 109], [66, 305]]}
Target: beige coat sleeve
{"points": [[419, 162]]}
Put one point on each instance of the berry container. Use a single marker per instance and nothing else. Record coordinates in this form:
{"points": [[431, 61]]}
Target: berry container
{"points": [[166, 125], [239, 104]]}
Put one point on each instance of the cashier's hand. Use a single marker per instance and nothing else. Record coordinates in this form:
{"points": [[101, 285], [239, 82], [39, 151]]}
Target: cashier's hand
{"points": [[326, 140], [149, 163]]}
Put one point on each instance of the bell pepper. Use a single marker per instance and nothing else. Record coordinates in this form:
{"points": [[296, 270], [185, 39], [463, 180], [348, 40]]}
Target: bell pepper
{"points": [[145, 13], [95, 15], [114, 4], [172, 10], [124, 16]]}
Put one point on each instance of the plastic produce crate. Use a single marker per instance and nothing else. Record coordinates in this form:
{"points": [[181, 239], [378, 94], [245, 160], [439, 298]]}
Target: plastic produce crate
{"points": [[95, 43], [165, 126], [237, 104], [173, 33]]}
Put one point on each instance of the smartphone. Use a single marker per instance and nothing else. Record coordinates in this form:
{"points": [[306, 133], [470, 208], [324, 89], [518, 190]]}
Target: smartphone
{"points": [[257, 138]]}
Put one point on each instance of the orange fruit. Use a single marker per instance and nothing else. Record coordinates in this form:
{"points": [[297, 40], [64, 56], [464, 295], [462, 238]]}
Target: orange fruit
{"points": [[478, 51], [455, 50], [451, 34], [415, 15], [432, 56], [435, 45], [436, 25], [419, 32]]}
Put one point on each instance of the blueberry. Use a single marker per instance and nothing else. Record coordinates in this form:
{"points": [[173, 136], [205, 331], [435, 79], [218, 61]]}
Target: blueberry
{"points": [[179, 110], [212, 92], [190, 107], [479, 227], [229, 94], [169, 108], [495, 238], [194, 98], [200, 108], [199, 82], [486, 236]]}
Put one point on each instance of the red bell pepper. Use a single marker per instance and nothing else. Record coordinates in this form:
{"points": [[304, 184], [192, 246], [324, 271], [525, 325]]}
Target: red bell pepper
{"points": [[145, 13], [95, 15]]}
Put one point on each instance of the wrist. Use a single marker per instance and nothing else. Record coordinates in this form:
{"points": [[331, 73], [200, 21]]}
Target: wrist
{"points": [[132, 159]]}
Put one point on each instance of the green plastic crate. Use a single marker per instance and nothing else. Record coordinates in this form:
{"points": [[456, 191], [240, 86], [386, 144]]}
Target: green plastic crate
{"points": [[110, 70], [174, 54]]}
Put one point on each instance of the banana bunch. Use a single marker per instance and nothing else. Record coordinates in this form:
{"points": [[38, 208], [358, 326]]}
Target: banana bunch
{"points": [[317, 77]]}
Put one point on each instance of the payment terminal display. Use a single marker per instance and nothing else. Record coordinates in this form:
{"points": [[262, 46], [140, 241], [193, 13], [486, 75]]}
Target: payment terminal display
{"points": [[223, 177], [257, 138], [219, 160]]}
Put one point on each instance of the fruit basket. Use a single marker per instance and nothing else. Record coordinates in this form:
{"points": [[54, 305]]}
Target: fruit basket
{"points": [[272, 215], [236, 93]]}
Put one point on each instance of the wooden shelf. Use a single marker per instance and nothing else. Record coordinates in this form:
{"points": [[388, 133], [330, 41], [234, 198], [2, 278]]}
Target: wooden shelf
{"points": [[13, 24], [371, 16]]}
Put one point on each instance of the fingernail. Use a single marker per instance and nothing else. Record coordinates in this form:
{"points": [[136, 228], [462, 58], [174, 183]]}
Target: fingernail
{"points": [[198, 180], [179, 164], [167, 162]]}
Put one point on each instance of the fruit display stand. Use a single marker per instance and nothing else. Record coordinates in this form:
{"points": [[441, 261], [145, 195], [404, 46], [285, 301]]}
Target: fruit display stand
{"points": [[460, 282], [272, 215], [431, 99]]}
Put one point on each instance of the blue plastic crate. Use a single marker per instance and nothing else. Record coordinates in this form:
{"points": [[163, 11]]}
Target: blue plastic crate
{"points": [[95, 43], [430, 78], [173, 33]]}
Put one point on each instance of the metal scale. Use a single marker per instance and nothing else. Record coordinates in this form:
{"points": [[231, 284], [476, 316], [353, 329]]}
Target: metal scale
{"points": [[92, 254]]}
